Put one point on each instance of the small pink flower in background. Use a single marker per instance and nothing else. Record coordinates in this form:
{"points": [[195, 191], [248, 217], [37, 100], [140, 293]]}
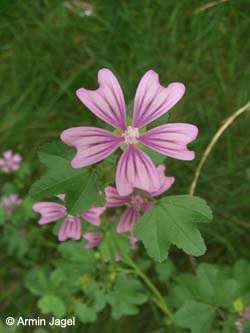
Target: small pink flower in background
{"points": [[133, 242], [135, 168], [93, 238], [244, 317], [71, 227], [246, 314], [10, 202], [136, 203], [10, 162]]}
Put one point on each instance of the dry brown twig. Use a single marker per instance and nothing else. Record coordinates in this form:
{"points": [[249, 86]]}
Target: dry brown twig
{"points": [[226, 123], [209, 5]]}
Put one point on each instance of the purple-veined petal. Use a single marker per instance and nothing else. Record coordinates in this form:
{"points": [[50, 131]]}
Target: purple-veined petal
{"points": [[171, 140], [93, 238], [165, 181], [93, 214], [93, 144], [113, 199], [128, 220], [106, 102], [136, 170], [70, 228], [152, 100], [50, 211]]}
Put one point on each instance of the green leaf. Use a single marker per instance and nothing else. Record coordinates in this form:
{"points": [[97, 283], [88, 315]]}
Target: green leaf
{"points": [[15, 244], [113, 243], [96, 294], [165, 270], [53, 304], [77, 260], [214, 287], [3, 216], [85, 313], [241, 272], [79, 185], [37, 281], [211, 284], [126, 297], [173, 221], [196, 316]]}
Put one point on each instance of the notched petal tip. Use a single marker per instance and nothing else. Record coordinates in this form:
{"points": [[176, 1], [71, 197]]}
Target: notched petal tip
{"points": [[152, 99], [107, 101]]}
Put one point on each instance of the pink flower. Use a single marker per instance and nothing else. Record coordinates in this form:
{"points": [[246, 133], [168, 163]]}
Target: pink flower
{"points": [[246, 314], [244, 317], [93, 238], [135, 168], [10, 202], [10, 162], [71, 227], [136, 203]]}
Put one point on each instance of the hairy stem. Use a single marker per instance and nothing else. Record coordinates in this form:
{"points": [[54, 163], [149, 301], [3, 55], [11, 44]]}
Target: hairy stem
{"points": [[158, 298]]}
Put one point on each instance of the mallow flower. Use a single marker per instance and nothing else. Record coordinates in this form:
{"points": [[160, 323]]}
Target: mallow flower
{"points": [[10, 202], [10, 161], [136, 203], [71, 227], [135, 168]]}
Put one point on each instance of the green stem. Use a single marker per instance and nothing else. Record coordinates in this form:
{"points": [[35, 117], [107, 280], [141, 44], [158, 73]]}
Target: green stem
{"points": [[158, 299]]}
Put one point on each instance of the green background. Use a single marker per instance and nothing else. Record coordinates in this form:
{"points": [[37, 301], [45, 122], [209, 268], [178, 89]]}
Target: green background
{"points": [[48, 51]]}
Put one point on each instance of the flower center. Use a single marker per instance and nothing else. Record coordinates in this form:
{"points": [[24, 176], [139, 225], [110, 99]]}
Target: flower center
{"points": [[131, 135], [71, 218], [137, 200]]}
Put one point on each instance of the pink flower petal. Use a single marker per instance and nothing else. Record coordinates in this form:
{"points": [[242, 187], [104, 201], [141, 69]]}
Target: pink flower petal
{"points": [[136, 170], [133, 242], [15, 167], [152, 100], [8, 154], [113, 199], [165, 182], [93, 144], [2, 162], [6, 169], [49, 211], [146, 205], [15, 200], [16, 158], [107, 102], [93, 238], [93, 214], [128, 220], [70, 228], [171, 140], [61, 196]]}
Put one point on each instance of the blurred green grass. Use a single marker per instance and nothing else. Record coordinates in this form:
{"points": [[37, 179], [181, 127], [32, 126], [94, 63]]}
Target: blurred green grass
{"points": [[47, 52]]}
